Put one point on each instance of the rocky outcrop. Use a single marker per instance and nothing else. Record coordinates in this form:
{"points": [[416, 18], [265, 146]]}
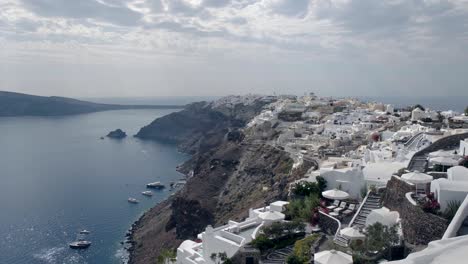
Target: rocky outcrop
{"points": [[231, 173], [200, 126], [117, 134]]}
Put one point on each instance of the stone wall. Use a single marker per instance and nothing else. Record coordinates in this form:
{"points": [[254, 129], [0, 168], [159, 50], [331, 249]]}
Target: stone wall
{"points": [[419, 227], [328, 225]]}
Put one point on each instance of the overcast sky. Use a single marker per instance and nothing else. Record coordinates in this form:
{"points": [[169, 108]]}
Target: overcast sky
{"points": [[88, 48]]}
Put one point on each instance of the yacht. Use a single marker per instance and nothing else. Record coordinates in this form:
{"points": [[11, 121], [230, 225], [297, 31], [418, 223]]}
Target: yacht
{"points": [[81, 244], [133, 200], [84, 232], [147, 193], [155, 185]]}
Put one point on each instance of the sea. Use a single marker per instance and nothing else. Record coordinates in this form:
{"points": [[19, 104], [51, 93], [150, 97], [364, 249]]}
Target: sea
{"points": [[58, 177]]}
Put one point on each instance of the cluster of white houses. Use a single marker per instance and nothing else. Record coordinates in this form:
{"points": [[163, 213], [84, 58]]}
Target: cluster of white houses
{"points": [[387, 143], [229, 238]]}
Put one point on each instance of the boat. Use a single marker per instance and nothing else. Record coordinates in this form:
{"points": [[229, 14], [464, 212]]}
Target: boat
{"points": [[155, 185], [81, 244], [133, 200], [147, 193], [84, 232]]}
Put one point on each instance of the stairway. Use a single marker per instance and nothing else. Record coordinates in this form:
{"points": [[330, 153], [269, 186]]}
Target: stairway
{"points": [[278, 256], [341, 240], [372, 202]]}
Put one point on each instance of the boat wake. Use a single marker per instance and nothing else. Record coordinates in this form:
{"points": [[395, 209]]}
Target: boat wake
{"points": [[58, 255]]}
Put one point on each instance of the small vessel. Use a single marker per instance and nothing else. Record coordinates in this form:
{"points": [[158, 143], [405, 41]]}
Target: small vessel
{"points": [[133, 200], [155, 185], [81, 244], [84, 232], [147, 193]]}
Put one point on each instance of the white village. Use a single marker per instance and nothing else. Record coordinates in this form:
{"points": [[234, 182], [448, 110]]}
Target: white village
{"points": [[387, 184]]}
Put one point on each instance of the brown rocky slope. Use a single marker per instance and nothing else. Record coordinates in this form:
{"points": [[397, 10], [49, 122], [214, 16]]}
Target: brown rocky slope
{"points": [[230, 175]]}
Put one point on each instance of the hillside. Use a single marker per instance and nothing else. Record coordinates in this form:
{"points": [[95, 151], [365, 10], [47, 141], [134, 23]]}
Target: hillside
{"points": [[230, 175], [18, 104]]}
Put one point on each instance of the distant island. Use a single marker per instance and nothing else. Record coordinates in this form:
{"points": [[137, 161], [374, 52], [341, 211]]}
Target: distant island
{"points": [[117, 134], [18, 104]]}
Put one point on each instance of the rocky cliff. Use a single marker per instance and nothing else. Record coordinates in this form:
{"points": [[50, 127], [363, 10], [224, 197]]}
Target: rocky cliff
{"points": [[231, 173]]}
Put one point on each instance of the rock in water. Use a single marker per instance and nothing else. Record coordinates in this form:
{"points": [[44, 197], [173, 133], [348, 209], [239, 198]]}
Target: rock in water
{"points": [[118, 133]]}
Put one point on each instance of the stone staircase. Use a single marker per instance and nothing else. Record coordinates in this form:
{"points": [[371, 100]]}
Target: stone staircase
{"points": [[414, 138], [341, 240], [372, 202], [278, 256]]}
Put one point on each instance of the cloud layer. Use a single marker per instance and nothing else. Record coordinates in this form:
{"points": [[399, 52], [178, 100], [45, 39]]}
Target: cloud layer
{"points": [[312, 42]]}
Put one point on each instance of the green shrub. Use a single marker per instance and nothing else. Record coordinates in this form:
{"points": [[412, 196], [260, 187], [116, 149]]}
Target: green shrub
{"points": [[302, 248], [302, 209], [293, 259], [451, 210]]}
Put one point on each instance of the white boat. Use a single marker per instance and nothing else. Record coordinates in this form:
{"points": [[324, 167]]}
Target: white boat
{"points": [[147, 193], [84, 232], [155, 185], [133, 200], [80, 244]]}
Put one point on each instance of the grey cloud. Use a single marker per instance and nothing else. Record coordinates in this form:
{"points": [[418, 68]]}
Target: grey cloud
{"points": [[365, 16], [116, 13], [291, 8], [216, 3]]}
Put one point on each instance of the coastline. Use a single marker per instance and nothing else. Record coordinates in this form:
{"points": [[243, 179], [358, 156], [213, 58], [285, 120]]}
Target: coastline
{"points": [[150, 215]]}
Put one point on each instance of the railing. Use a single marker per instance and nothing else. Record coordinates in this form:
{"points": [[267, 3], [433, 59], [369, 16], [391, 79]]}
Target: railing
{"points": [[338, 221], [359, 209], [410, 198]]}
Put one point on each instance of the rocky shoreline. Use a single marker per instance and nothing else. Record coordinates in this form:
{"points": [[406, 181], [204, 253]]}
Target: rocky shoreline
{"points": [[228, 173]]}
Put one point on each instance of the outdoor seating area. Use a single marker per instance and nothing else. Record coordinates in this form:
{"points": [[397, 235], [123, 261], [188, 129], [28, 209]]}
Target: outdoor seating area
{"points": [[339, 208]]}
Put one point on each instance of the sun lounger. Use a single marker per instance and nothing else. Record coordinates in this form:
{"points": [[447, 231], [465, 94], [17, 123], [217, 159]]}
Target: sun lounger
{"points": [[340, 208], [350, 210], [334, 205]]}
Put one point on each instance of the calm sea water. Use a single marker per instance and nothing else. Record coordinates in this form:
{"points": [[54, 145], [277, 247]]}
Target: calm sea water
{"points": [[57, 177]]}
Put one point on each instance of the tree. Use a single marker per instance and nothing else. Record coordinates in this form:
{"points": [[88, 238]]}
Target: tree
{"points": [[466, 111], [419, 106], [380, 237], [166, 256], [322, 184], [293, 259], [220, 258]]}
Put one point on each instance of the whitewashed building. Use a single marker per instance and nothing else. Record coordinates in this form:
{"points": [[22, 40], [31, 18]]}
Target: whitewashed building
{"points": [[229, 238]]}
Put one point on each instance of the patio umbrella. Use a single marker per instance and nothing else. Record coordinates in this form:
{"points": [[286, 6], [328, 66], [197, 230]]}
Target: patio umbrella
{"points": [[383, 216], [440, 153], [335, 194], [444, 161], [332, 257], [271, 216], [351, 233], [417, 177]]}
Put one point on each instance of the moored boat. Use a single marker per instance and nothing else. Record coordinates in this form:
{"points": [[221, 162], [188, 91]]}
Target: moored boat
{"points": [[147, 193], [82, 244], [155, 185], [84, 232], [133, 200]]}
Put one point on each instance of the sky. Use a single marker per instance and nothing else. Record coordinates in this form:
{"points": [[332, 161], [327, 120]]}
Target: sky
{"points": [[134, 48]]}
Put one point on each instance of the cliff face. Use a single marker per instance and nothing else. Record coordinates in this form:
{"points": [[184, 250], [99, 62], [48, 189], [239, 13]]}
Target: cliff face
{"points": [[231, 173]]}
